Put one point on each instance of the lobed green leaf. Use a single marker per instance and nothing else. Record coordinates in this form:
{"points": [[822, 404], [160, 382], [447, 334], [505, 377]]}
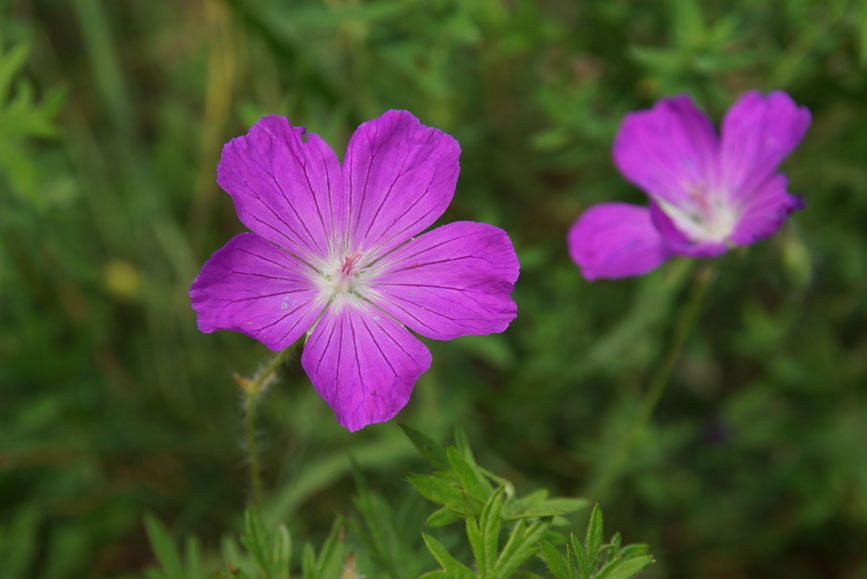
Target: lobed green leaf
{"points": [[522, 545], [549, 508], [625, 568], [433, 452], [560, 566], [593, 540], [490, 528], [442, 517], [453, 568], [468, 474], [164, 548], [437, 490], [477, 543]]}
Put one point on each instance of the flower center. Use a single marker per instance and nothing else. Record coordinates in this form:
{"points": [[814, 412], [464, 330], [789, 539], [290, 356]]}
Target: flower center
{"points": [[709, 217], [343, 278]]}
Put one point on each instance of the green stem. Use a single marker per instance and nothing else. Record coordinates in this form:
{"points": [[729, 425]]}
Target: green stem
{"points": [[254, 388], [611, 468], [252, 451]]}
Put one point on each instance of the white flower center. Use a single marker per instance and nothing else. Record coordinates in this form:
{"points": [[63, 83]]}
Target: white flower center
{"points": [[710, 217], [344, 279]]}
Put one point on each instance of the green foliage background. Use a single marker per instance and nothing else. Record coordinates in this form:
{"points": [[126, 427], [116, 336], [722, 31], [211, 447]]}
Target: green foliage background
{"points": [[112, 116]]}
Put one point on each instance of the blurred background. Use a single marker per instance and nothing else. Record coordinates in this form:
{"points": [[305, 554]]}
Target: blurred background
{"points": [[112, 404]]}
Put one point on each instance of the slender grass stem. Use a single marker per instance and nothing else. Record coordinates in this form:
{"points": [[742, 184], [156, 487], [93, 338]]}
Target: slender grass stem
{"points": [[610, 470], [253, 389]]}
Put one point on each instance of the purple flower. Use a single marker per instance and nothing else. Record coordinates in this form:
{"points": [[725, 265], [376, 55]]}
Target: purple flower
{"points": [[707, 194], [332, 253]]}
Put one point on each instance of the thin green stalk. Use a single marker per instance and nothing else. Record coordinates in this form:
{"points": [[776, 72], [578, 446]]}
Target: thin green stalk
{"points": [[611, 469], [254, 388], [252, 450]]}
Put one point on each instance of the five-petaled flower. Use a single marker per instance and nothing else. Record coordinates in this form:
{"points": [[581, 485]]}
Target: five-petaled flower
{"points": [[332, 252], [706, 194]]}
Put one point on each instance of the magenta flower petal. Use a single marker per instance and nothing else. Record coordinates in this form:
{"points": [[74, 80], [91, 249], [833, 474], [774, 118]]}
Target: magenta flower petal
{"points": [[757, 134], [706, 194], [363, 364], [613, 240], [254, 287], [765, 211], [668, 150], [326, 252], [400, 176], [452, 281], [287, 186]]}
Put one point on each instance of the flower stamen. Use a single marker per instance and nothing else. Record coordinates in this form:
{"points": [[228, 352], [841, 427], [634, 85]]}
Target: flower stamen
{"points": [[343, 278]]}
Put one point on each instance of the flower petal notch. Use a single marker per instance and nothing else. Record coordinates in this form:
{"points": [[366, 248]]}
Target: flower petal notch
{"points": [[707, 192], [332, 254]]}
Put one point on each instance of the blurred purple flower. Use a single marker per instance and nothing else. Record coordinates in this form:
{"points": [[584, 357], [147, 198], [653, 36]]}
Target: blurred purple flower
{"points": [[332, 253], [706, 193]]}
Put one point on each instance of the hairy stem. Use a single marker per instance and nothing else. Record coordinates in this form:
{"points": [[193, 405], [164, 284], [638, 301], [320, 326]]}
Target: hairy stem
{"points": [[601, 483], [253, 389], [252, 451]]}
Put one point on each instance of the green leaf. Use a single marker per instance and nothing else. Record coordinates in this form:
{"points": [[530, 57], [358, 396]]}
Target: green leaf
{"points": [[437, 490], [10, 63], [549, 508], [164, 548], [625, 568], [584, 563], [18, 541], [463, 444], [332, 553], [522, 545], [535, 497], [490, 527], [660, 60], [257, 541], [232, 555], [442, 517], [477, 543], [469, 474], [559, 522], [308, 562], [387, 541], [499, 481], [560, 566], [455, 569], [634, 550], [192, 559], [687, 23], [282, 551], [434, 453], [593, 541], [605, 555]]}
